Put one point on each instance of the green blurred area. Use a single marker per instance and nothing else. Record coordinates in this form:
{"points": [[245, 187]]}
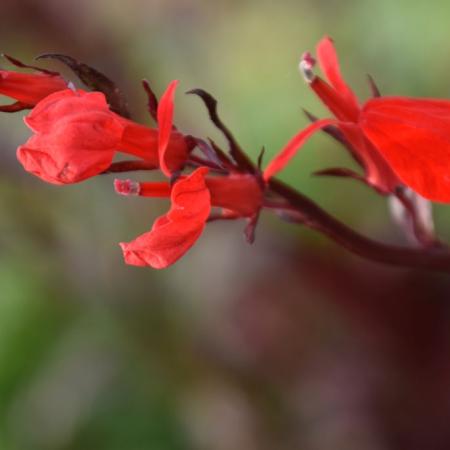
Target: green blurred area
{"points": [[236, 346]]}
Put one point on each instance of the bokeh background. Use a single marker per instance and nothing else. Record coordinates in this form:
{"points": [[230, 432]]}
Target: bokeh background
{"points": [[287, 344]]}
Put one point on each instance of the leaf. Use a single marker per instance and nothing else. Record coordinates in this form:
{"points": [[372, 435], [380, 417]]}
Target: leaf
{"points": [[208, 151], [235, 149], [340, 172], [373, 87], [18, 63], [152, 103], [94, 80]]}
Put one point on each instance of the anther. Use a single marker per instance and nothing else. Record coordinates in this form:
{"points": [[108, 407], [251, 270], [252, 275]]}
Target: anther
{"points": [[127, 187], [306, 65]]}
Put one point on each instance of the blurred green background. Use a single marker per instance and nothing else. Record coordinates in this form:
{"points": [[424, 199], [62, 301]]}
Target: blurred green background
{"points": [[287, 344]]}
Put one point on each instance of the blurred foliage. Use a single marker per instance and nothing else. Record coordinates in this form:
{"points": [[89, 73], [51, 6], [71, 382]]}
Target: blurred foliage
{"points": [[288, 344]]}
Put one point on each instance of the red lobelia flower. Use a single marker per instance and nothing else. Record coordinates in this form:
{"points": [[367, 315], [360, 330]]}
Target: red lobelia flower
{"points": [[192, 197], [174, 233], [343, 104], [77, 136], [398, 140], [28, 89]]}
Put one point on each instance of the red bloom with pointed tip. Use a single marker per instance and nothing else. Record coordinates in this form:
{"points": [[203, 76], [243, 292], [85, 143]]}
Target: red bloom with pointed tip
{"points": [[77, 136], [398, 140], [192, 197], [28, 89]]}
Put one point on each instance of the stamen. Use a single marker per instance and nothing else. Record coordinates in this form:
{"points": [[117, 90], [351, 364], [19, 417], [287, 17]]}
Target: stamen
{"points": [[127, 187], [306, 65]]}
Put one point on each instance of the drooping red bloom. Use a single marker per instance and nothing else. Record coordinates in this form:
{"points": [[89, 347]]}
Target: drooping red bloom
{"points": [[398, 140], [28, 89], [77, 135], [174, 233], [192, 197]]}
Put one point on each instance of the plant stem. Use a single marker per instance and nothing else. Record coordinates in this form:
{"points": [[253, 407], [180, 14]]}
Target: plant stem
{"points": [[305, 211]]}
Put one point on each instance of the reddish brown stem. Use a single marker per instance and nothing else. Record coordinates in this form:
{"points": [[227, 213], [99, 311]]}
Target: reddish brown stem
{"points": [[305, 211], [129, 166]]}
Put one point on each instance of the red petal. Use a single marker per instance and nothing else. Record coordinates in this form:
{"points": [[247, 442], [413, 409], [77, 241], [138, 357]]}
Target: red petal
{"points": [[413, 135], [165, 121], [284, 156], [378, 172], [334, 101], [63, 104], [328, 61], [53, 170], [140, 141], [73, 147], [29, 88], [173, 234]]}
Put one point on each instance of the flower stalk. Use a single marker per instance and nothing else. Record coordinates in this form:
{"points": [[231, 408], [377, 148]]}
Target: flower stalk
{"points": [[401, 144]]}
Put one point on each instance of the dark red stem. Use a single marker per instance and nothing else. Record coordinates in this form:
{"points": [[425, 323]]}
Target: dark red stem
{"points": [[305, 211], [129, 166]]}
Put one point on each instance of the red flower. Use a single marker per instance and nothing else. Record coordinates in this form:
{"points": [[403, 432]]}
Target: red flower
{"points": [[174, 233], [28, 89], [77, 135], [192, 197], [398, 140]]}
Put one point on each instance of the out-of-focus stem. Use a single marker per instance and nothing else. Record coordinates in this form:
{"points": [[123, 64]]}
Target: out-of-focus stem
{"points": [[305, 211]]}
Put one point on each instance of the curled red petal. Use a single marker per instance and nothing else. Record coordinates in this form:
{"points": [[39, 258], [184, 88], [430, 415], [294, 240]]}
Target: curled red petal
{"points": [[334, 101], [174, 233], [288, 152], [63, 104], [76, 138], [413, 135], [165, 122], [329, 63]]}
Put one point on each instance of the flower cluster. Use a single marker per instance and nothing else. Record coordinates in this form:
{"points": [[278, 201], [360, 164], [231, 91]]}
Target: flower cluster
{"points": [[402, 145]]}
